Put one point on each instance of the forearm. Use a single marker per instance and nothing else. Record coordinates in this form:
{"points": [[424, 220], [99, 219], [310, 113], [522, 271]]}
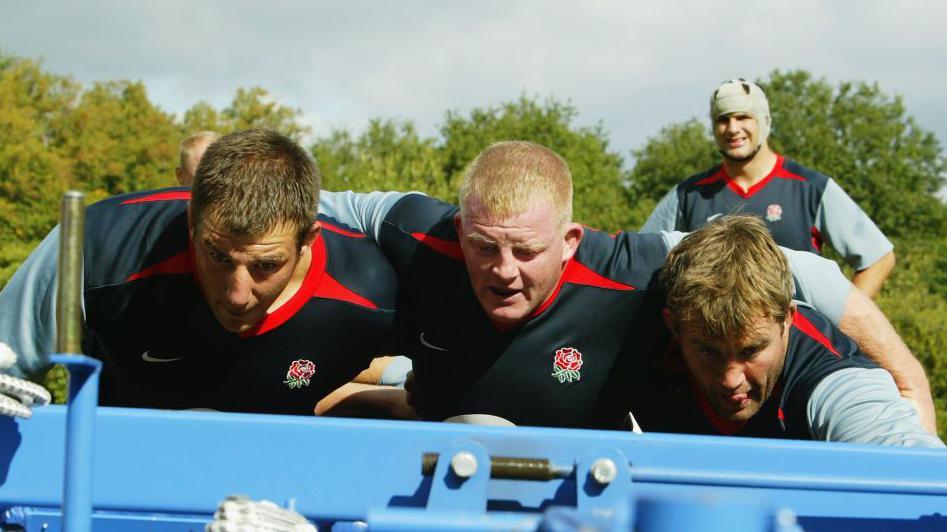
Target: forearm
{"points": [[864, 322], [873, 277], [366, 400]]}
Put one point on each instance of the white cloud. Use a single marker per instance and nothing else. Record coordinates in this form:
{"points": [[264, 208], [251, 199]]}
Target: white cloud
{"points": [[636, 66]]}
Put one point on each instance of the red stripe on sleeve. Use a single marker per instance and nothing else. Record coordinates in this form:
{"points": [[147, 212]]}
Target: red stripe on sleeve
{"points": [[339, 230], [160, 196], [444, 247], [180, 263]]}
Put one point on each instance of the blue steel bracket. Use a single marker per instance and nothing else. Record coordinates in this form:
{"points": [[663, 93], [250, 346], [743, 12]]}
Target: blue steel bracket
{"points": [[461, 478], [604, 488]]}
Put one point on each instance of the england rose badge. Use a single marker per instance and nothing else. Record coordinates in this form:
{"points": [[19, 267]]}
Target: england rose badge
{"points": [[300, 371], [566, 365]]}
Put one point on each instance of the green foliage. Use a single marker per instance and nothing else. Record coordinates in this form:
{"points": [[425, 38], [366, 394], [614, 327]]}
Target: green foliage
{"points": [[386, 156], [118, 141], [862, 137], [250, 108], [915, 301]]}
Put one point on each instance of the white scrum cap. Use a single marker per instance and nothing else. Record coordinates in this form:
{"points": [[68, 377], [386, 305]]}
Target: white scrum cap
{"points": [[741, 96]]}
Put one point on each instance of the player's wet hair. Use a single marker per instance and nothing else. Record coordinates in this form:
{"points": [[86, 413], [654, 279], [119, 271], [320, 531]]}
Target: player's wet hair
{"points": [[511, 177], [255, 181], [726, 275]]}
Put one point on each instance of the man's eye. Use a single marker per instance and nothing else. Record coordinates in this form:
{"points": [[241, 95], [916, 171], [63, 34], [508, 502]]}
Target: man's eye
{"points": [[707, 352], [267, 267], [486, 249], [219, 257]]}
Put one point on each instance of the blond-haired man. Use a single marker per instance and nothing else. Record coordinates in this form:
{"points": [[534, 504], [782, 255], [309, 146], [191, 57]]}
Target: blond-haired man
{"points": [[753, 362], [190, 152], [514, 310]]}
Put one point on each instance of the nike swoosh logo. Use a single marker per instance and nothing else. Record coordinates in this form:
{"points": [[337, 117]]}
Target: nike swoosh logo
{"points": [[429, 345], [148, 358], [713, 217]]}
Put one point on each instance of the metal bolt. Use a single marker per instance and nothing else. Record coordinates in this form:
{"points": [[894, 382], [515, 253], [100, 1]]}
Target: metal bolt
{"points": [[464, 464], [603, 471]]}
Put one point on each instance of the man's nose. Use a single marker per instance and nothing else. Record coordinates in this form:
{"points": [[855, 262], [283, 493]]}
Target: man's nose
{"points": [[505, 266], [239, 288], [732, 376]]}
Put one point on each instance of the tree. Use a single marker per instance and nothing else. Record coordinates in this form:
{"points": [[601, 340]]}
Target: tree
{"points": [[863, 138], [32, 171], [386, 156], [255, 108], [118, 141]]}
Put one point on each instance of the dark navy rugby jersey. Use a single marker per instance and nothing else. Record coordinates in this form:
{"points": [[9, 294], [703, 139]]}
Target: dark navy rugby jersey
{"points": [[801, 207], [147, 319], [552, 370], [666, 399]]}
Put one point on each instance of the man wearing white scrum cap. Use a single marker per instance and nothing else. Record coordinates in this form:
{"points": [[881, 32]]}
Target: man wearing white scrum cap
{"points": [[802, 208]]}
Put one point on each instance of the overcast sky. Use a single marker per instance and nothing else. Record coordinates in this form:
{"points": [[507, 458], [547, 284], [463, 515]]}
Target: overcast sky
{"points": [[633, 65]]}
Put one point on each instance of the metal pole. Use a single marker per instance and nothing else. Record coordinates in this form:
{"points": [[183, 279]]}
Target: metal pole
{"points": [[83, 371], [69, 289]]}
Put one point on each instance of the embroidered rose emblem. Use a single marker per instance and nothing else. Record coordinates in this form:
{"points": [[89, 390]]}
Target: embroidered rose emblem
{"points": [[566, 365], [300, 371], [774, 213]]}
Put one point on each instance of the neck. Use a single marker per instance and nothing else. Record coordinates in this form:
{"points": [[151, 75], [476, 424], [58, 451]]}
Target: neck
{"points": [[751, 171], [296, 280]]}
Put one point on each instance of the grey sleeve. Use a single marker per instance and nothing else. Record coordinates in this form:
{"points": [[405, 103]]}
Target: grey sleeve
{"points": [[818, 282], [664, 215], [849, 230], [862, 405], [396, 372], [364, 212], [28, 309]]}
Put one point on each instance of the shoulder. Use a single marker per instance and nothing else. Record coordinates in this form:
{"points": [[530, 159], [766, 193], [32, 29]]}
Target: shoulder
{"points": [[129, 233], [627, 256], [710, 176], [797, 172], [357, 263]]}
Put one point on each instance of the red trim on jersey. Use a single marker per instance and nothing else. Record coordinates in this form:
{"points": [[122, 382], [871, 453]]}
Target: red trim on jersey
{"points": [[339, 230], [724, 426], [317, 283], [577, 273], [332, 289], [780, 415], [447, 248], [160, 196], [806, 327], [178, 264], [717, 176], [777, 171], [816, 238]]}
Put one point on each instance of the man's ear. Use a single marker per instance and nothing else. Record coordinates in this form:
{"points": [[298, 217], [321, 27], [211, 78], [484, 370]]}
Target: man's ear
{"points": [[790, 314], [459, 226], [311, 235], [669, 321], [177, 174], [571, 240]]}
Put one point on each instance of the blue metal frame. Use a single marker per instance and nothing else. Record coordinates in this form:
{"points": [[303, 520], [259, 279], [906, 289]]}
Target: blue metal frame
{"points": [[152, 467]]}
